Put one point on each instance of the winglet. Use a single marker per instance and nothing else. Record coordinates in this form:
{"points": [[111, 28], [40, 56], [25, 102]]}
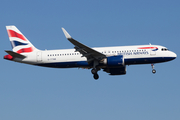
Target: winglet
{"points": [[66, 34]]}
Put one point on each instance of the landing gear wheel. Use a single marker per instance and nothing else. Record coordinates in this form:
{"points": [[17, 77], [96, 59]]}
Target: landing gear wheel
{"points": [[153, 71], [96, 76], [94, 71]]}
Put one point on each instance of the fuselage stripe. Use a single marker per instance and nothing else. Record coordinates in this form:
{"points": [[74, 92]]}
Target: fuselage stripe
{"points": [[148, 48]]}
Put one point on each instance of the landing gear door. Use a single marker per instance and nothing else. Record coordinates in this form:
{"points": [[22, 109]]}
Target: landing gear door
{"points": [[39, 56]]}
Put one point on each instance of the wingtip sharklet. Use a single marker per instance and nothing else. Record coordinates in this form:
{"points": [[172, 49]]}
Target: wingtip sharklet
{"points": [[66, 33]]}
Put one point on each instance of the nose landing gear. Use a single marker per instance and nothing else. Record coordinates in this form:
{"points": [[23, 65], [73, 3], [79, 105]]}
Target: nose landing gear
{"points": [[153, 71]]}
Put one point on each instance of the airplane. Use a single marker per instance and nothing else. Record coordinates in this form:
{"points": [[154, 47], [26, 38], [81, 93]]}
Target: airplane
{"points": [[112, 60]]}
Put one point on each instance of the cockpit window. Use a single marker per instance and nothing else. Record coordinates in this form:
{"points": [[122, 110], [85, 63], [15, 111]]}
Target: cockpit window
{"points": [[164, 49]]}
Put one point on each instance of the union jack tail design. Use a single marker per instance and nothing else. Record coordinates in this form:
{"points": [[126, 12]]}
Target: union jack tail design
{"points": [[20, 44]]}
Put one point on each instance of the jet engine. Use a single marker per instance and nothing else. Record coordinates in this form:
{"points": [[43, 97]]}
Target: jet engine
{"points": [[114, 61]]}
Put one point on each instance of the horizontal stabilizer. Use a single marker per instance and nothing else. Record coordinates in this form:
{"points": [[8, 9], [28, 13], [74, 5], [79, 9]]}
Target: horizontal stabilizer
{"points": [[14, 54]]}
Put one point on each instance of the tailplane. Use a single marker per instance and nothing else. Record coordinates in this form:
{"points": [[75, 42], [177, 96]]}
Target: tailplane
{"points": [[20, 44]]}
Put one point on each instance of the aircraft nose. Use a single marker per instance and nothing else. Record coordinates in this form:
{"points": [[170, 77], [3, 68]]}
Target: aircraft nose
{"points": [[173, 55]]}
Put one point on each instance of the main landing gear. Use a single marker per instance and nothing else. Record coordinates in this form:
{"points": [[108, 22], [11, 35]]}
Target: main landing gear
{"points": [[94, 72], [153, 71]]}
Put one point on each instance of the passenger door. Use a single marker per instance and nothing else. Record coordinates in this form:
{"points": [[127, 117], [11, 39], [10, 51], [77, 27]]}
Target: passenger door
{"points": [[39, 56]]}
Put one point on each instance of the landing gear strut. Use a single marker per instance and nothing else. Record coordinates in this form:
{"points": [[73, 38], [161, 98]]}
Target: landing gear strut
{"points": [[153, 71]]}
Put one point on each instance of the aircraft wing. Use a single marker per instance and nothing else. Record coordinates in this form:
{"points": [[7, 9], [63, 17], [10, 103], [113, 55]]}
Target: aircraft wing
{"points": [[86, 51]]}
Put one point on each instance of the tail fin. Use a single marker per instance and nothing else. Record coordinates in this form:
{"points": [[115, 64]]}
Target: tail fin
{"points": [[20, 44]]}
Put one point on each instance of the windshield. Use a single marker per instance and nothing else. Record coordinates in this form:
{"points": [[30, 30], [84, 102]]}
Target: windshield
{"points": [[164, 49]]}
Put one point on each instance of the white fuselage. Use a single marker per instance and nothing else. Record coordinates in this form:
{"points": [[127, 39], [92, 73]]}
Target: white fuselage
{"points": [[67, 58]]}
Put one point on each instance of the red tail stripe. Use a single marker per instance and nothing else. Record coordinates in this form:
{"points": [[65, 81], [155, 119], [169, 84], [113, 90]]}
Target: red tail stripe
{"points": [[147, 48], [12, 33], [23, 50]]}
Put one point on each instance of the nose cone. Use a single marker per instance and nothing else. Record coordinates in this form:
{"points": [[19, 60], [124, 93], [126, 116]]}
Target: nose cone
{"points": [[173, 55]]}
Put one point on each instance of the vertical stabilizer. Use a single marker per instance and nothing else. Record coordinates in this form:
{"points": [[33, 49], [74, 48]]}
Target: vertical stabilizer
{"points": [[20, 44]]}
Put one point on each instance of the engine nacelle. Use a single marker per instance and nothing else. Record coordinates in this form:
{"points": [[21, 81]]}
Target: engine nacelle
{"points": [[114, 61]]}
